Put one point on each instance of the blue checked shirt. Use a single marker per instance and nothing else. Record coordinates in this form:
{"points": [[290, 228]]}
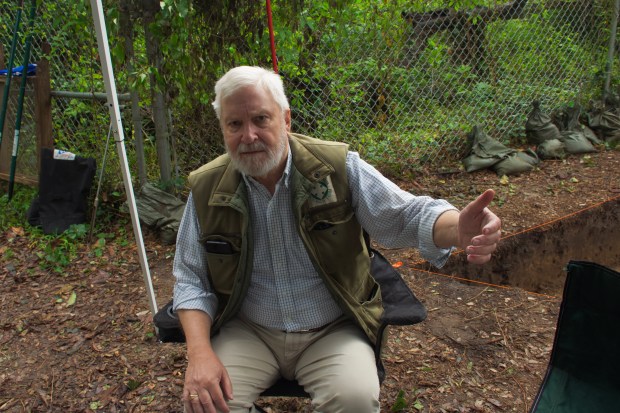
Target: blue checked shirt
{"points": [[285, 291]]}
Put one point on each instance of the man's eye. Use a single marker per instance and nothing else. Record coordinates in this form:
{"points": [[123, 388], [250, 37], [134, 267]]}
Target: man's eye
{"points": [[261, 119]]}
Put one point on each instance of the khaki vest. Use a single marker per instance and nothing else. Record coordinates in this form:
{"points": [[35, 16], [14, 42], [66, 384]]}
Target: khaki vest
{"points": [[325, 221]]}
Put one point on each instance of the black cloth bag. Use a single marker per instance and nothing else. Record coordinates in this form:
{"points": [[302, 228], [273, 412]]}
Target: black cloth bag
{"points": [[64, 186]]}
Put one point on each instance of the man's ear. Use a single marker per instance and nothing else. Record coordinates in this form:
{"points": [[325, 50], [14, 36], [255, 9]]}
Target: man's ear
{"points": [[287, 119]]}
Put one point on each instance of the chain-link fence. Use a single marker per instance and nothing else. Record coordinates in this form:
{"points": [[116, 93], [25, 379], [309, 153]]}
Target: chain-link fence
{"points": [[26, 161], [403, 82], [410, 90], [80, 121]]}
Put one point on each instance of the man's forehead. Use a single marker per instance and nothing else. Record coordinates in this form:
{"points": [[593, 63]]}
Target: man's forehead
{"points": [[249, 98]]}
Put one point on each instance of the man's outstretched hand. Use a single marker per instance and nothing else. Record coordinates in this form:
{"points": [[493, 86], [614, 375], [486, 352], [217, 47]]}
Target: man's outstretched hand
{"points": [[479, 230]]}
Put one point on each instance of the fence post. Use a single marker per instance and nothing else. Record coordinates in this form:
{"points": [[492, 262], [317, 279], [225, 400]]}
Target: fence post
{"points": [[612, 47], [43, 102]]}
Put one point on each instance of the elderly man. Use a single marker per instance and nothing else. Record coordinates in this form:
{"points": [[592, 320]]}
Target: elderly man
{"points": [[272, 271]]}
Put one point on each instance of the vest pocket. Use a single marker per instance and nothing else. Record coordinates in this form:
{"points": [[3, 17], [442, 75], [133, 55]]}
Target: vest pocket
{"points": [[222, 260], [326, 217]]}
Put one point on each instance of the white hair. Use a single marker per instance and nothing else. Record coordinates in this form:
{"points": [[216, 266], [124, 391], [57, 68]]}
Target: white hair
{"points": [[255, 76]]}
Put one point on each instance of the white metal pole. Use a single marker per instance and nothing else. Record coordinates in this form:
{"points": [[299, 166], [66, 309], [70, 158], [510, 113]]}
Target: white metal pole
{"points": [[117, 129]]}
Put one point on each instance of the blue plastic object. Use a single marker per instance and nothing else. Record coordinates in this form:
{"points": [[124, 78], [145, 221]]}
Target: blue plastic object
{"points": [[17, 71]]}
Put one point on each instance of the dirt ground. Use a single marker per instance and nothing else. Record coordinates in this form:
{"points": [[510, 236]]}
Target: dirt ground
{"points": [[84, 341]]}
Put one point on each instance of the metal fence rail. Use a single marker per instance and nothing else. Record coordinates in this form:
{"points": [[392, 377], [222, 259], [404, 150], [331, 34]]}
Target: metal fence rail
{"points": [[402, 82]]}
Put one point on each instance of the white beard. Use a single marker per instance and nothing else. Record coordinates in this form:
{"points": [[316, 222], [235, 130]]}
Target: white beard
{"points": [[258, 165]]}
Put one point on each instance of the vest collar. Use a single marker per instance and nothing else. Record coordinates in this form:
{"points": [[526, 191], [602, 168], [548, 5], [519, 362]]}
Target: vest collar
{"points": [[305, 160], [227, 186]]}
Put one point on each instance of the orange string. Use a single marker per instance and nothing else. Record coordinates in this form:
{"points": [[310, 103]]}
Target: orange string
{"points": [[482, 282], [458, 251]]}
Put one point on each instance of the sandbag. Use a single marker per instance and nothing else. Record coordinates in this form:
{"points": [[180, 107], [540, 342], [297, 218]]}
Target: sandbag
{"points": [[576, 142], [590, 135], [538, 127], [606, 124], [484, 152], [517, 163], [577, 138], [551, 149], [161, 211]]}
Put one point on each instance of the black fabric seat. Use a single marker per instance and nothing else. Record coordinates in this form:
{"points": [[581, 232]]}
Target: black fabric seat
{"points": [[64, 186]]}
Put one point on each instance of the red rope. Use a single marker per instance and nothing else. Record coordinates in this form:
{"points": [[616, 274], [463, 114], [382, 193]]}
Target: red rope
{"points": [[274, 59]]}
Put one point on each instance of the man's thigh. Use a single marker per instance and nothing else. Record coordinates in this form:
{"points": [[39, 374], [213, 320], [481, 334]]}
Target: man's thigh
{"points": [[339, 371], [249, 362]]}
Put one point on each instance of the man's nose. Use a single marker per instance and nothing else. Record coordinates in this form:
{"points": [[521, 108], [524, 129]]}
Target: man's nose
{"points": [[249, 133]]}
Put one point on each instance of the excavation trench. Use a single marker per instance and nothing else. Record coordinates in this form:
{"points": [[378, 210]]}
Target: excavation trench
{"points": [[535, 260]]}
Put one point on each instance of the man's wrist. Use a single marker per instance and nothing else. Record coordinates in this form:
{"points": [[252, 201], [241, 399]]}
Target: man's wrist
{"points": [[446, 229]]}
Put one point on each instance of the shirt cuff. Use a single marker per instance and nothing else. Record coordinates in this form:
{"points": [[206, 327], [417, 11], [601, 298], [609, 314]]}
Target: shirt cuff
{"points": [[432, 253], [188, 297]]}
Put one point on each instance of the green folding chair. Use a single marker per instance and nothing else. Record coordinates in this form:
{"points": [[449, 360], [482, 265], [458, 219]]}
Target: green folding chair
{"points": [[584, 370]]}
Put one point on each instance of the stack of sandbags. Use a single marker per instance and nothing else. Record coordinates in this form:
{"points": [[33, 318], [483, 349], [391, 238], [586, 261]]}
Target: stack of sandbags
{"points": [[605, 122], [544, 134], [485, 152], [577, 138], [554, 140]]}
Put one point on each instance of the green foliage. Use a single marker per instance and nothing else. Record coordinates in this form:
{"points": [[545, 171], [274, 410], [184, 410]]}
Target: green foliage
{"points": [[13, 212], [351, 69], [338, 99], [401, 404], [55, 252]]}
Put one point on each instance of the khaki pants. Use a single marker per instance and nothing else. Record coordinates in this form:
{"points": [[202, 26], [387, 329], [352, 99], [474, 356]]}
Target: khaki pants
{"points": [[335, 365]]}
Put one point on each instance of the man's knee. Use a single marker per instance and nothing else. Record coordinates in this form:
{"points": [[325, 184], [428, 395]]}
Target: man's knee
{"points": [[349, 395]]}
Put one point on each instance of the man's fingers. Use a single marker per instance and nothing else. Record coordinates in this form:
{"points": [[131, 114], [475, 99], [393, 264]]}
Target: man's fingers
{"points": [[227, 386], [492, 228], [219, 402], [217, 397], [208, 405], [478, 259], [487, 238], [193, 405], [487, 249]]}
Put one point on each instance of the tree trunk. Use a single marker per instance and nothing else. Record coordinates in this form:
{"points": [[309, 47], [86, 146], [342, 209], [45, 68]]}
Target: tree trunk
{"points": [[470, 43], [158, 102], [126, 32]]}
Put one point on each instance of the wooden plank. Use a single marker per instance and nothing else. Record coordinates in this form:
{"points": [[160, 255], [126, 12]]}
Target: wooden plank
{"points": [[21, 179], [43, 102], [7, 133]]}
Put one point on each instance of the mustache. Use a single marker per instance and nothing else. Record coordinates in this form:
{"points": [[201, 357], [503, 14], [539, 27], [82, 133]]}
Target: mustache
{"points": [[255, 146]]}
